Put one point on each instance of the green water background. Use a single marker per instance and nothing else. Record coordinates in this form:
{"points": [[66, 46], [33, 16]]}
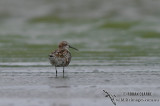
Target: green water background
{"points": [[108, 36]]}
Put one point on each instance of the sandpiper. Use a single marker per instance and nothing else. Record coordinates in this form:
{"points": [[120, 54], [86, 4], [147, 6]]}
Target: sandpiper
{"points": [[61, 57]]}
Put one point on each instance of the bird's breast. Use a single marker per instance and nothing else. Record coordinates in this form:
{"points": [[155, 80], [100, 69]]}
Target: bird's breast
{"points": [[60, 59]]}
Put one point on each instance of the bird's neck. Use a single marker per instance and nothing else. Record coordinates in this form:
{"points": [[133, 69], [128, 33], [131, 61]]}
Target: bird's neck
{"points": [[63, 49]]}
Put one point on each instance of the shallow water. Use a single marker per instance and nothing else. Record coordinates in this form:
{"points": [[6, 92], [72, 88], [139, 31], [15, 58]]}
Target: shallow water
{"points": [[118, 44], [84, 85]]}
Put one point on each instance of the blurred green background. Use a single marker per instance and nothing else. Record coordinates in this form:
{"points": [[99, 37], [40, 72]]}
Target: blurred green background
{"points": [[100, 29]]}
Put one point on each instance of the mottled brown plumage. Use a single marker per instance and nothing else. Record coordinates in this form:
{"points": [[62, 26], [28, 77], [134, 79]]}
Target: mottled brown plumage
{"points": [[61, 57]]}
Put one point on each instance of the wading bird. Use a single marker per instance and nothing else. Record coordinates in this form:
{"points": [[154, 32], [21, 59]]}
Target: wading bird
{"points": [[61, 57]]}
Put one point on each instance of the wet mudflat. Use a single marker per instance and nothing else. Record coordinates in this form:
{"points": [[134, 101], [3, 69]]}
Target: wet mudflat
{"points": [[82, 85]]}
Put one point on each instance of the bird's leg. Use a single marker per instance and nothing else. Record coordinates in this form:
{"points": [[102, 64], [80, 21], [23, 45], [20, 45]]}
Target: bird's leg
{"points": [[63, 71], [63, 68], [56, 70]]}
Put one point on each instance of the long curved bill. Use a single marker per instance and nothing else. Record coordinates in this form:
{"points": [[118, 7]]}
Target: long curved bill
{"points": [[73, 48]]}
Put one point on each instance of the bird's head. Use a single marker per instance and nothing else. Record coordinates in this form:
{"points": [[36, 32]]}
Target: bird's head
{"points": [[65, 45]]}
